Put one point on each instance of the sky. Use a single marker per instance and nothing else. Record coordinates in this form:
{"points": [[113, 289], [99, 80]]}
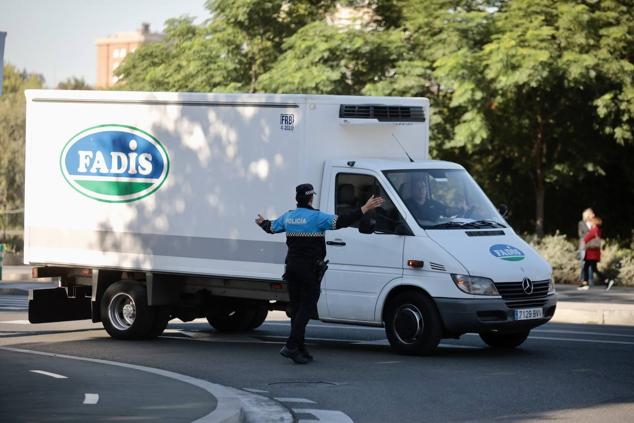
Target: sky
{"points": [[56, 38]]}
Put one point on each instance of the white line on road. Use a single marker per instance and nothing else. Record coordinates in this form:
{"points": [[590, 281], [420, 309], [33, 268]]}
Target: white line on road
{"points": [[580, 332], [17, 322], [298, 400], [55, 375], [255, 391], [592, 341], [388, 362], [229, 401], [91, 399], [330, 416]]}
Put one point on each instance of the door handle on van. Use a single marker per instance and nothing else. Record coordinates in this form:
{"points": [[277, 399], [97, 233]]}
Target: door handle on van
{"points": [[337, 242]]}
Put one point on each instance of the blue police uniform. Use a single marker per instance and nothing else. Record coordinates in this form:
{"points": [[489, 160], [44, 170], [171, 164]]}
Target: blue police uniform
{"points": [[305, 229]]}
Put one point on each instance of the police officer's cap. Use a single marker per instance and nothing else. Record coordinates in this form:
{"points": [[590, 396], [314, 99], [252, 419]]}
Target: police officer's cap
{"points": [[304, 190]]}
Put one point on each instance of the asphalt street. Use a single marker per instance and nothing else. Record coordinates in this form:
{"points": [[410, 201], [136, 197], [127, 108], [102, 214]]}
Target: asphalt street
{"points": [[50, 389], [563, 371]]}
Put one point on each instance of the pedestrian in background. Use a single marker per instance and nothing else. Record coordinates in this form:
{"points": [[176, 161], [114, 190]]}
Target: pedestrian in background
{"points": [[592, 255], [583, 227]]}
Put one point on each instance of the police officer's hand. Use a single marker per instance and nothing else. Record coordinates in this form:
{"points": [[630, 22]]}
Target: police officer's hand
{"points": [[372, 203], [259, 219]]}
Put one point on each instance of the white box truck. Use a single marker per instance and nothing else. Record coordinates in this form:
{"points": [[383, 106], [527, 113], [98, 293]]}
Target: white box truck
{"points": [[144, 204]]}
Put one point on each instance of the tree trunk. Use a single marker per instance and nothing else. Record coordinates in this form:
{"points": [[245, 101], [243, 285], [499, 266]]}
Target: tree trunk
{"points": [[539, 152]]}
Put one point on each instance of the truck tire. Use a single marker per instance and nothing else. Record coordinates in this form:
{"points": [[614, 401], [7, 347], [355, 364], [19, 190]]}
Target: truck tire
{"points": [[161, 318], [124, 311], [235, 319], [412, 323], [504, 340], [258, 317]]}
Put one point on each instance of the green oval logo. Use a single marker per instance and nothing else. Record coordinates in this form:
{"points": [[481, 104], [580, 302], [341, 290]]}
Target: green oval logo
{"points": [[114, 163]]}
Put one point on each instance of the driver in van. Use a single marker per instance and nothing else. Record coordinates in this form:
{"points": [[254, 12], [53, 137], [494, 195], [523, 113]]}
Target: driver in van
{"points": [[420, 204]]}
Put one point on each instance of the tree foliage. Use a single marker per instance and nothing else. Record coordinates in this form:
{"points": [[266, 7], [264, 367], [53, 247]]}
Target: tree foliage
{"points": [[536, 94], [12, 136], [74, 83]]}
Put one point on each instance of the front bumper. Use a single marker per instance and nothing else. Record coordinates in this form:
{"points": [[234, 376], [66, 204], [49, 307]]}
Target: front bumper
{"points": [[479, 315]]}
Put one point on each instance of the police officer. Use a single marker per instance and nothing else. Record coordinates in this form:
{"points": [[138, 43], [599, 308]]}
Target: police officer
{"points": [[305, 228]]}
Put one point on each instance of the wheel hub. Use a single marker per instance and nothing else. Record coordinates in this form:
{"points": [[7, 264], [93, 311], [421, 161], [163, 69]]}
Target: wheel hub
{"points": [[408, 323], [122, 311]]}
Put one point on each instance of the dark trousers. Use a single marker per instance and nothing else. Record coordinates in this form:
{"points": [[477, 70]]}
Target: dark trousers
{"points": [[303, 291], [590, 268]]}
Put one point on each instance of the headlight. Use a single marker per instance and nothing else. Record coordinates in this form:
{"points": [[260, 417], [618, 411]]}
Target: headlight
{"points": [[551, 286], [475, 285]]}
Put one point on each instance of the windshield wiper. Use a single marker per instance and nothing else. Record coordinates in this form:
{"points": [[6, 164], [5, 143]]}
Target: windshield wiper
{"points": [[474, 224], [486, 223], [453, 225]]}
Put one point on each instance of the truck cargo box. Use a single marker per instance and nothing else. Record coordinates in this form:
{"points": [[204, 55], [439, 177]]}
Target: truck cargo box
{"points": [[171, 182]]}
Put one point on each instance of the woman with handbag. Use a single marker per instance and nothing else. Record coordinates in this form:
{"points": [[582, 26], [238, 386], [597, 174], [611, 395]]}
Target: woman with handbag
{"points": [[592, 247]]}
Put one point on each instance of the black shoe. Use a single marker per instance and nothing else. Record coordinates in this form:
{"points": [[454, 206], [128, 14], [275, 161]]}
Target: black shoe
{"points": [[304, 351], [295, 355]]}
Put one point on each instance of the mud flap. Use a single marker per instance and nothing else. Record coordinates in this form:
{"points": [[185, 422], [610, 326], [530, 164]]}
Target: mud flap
{"points": [[54, 305]]}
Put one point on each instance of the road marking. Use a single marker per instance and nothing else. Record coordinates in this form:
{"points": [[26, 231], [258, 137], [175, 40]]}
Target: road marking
{"points": [[91, 399], [592, 341], [388, 362], [55, 375], [330, 416], [17, 322], [255, 391], [231, 403], [582, 332], [299, 400]]}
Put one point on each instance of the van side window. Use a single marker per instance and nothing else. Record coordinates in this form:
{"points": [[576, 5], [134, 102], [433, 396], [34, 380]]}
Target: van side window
{"points": [[353, 190]]}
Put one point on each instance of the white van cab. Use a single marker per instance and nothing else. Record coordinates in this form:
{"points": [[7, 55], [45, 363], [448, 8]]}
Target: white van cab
{"points": [[441, 260], [143, 205]]}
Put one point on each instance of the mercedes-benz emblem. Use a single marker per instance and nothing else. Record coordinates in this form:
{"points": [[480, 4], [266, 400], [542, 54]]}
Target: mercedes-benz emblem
{"points": [[527, 286]]}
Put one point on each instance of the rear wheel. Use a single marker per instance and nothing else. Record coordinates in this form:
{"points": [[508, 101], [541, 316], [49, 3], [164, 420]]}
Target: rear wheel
{"points": [[258, 317], [124, 311], [161, 318], [232, 319], [412, 323], [504, 340]]}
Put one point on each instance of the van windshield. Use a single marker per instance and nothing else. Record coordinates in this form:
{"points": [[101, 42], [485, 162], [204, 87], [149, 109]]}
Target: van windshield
{"points": [[444, 199]]}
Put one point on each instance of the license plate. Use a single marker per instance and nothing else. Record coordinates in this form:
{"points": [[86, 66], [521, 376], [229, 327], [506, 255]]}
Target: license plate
{"points": [[529, 314]]}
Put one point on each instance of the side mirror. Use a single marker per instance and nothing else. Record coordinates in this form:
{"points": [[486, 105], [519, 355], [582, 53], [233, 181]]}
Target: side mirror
{"points": [[504, 210], [367, 225]]}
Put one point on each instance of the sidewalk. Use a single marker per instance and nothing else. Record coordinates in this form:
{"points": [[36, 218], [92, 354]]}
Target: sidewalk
{"points": [[594, 306]]}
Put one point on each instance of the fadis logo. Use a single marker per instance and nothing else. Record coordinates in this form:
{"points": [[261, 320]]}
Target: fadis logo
{"points": [[114, 163], [506, 252]]}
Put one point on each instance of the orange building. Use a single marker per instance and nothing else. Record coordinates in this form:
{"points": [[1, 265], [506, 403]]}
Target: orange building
{"points": [[113, 49]]}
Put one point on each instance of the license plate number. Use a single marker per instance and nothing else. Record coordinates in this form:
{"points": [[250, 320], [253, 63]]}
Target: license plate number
{"points": [[529, 314]]}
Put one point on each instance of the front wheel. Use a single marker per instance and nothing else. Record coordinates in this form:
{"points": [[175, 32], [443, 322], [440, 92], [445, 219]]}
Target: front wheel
{"points": [[504, 340], [412, 323]]}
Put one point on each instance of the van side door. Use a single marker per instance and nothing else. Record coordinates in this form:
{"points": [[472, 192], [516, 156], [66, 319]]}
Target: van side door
{"points": [[360, 264]]}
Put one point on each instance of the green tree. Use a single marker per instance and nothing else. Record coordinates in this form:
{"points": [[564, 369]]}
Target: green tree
{"points": [[74, 83], [239, 43], [12, 137]]}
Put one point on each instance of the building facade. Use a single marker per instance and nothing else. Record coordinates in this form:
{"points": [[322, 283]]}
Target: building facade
{"points": [[113, 49]]}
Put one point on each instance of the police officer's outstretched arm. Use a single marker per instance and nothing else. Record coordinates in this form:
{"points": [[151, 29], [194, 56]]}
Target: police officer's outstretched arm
{"points": [[330, 221], [272, 227]]}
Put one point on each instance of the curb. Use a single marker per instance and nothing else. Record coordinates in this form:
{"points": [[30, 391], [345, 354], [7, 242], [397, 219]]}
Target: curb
{"points": [[233, 405], [594, 313]]}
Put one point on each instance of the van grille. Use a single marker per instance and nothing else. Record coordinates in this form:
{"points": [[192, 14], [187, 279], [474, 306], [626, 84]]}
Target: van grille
{"points": [[382, 113], [515, 297]]}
